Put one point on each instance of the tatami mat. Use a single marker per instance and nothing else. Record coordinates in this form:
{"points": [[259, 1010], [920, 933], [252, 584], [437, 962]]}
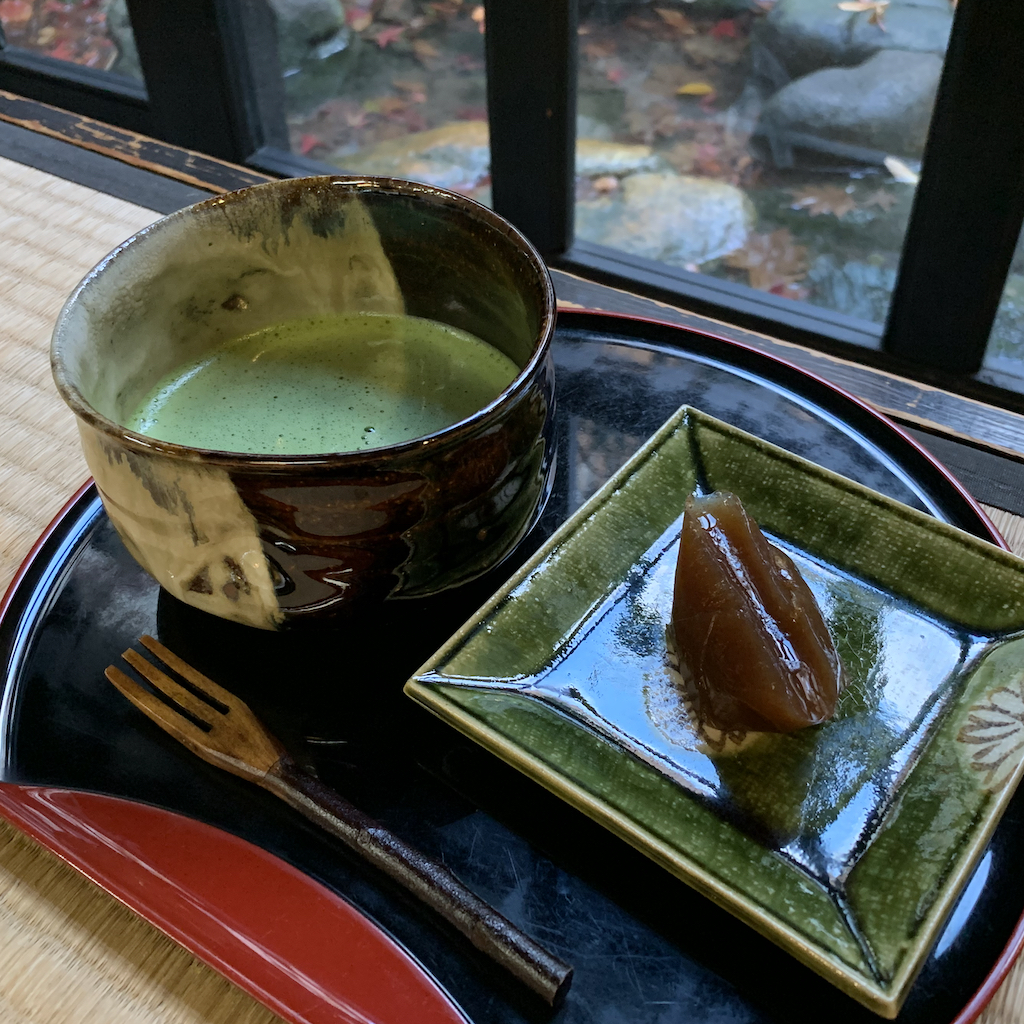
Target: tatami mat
{"points": [[70, 953]]}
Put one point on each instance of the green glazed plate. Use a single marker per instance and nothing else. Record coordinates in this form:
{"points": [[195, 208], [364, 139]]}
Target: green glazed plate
{"points": [[846, 843]]}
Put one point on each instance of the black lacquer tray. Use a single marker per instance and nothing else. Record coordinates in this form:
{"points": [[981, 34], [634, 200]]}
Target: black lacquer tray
{"points": [[647, 950]]}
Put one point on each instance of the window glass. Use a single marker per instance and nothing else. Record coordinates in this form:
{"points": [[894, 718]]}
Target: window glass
{"points": [[392, 87], [1004, 355], [774, 143], [93, 33]]}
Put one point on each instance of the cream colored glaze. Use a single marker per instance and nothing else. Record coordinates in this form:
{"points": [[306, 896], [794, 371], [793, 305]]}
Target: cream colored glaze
{"points": [[225, 271], [199, 541]]}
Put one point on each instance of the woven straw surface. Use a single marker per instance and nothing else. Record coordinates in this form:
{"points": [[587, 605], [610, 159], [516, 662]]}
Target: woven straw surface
{"points": [[71, 954]]}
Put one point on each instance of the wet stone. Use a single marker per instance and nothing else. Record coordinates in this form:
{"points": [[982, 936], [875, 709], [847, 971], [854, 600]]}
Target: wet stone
{"points": [[860, 288], [807, 35], [1006, 343], [669, 217], [308, 30], [598, 157], [883, 105], [454, 156], [457, 156]]}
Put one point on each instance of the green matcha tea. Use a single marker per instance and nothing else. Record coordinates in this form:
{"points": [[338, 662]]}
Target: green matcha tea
{"points": [[327, 384]]}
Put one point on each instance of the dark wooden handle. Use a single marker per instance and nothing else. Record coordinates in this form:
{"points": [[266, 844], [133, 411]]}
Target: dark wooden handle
{"points": [[429, 881]]}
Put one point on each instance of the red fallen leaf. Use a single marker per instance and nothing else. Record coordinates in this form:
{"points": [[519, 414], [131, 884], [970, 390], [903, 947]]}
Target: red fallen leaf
{"points": [[388, 35], [615, 75], [790, 290], [14, 12], [358, 19], [725, 29], [309, 142], [64, 50]]}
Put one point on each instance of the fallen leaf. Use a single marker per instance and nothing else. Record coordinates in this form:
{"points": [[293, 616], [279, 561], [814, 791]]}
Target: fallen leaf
{"points": [[308, 143], [676, 20], [15, 12], [425, 51], [790, 290], [64, 50], [876, 7], [823, 199], [882, 199], [598, 48], [358, 20], [771, 261], [415, 92], [479, 17], [390, 106], [725, 29], [388, 35], [616, 74], [695, 89], [900, 171], [605, 184], [665, 79], [706, 49]]}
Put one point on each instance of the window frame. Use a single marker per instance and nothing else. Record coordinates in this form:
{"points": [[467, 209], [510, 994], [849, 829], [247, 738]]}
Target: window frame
{"points": [[205, 92]]}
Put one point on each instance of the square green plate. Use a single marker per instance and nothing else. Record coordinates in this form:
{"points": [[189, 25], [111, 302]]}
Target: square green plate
{"points": [[847, 843]]}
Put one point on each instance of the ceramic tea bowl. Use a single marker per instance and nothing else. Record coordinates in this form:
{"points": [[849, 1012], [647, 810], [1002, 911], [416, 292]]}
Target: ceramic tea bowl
{"points": [[273, 540]]}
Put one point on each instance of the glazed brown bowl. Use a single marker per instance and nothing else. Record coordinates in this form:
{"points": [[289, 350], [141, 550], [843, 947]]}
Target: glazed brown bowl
{"points": [[270, 540]]}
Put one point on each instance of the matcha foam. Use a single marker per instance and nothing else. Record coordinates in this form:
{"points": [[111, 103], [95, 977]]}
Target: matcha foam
{"points": [[326, 384]]}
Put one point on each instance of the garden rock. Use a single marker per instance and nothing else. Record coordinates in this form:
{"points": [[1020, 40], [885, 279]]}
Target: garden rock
{"points": [[308, 30], [455, 156], [807, 35], [1005, 350], [669, 217], [597, 157], [614, 10], [860, 288], [120, 29], [882, 106]]}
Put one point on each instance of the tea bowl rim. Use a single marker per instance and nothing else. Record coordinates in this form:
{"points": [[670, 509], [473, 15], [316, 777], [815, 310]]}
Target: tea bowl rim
{"points": [[285, 463]]}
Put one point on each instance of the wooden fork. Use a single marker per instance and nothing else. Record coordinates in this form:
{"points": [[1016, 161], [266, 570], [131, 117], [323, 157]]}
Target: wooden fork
{"points": [[231, 737]]}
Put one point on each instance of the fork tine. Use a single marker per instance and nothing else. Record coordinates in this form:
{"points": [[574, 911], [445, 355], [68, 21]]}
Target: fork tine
{"points": [[202, 683], [177, 725], [236, 741], [169, 687]]}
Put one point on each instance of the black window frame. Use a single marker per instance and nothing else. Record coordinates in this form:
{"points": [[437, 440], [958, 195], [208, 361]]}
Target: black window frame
{"points": [[205, 92]]}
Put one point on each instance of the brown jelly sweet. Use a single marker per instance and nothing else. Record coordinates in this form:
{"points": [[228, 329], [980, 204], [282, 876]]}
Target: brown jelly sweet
{"points": [[747, 626]]}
